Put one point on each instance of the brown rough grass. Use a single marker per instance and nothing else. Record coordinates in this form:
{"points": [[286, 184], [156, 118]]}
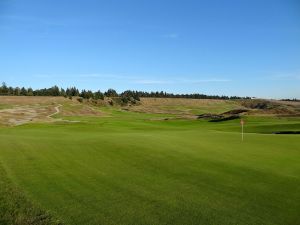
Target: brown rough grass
{"points": [[30, 100], [182, 106], [17, 110]]}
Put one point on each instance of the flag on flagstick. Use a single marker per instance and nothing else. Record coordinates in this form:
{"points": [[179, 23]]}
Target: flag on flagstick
{"points": [[242, 124]]}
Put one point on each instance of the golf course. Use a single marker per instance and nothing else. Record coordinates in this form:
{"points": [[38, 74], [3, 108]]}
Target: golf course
{"points": [[121, 165], [161, 112]]}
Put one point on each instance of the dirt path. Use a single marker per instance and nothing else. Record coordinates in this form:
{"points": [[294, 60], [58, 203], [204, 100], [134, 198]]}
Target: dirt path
{"points": [[56, 111]]}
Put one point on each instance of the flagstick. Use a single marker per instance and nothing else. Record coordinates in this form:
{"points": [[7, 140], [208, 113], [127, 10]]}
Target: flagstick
{"points": [[242, 131], [242, 124]]}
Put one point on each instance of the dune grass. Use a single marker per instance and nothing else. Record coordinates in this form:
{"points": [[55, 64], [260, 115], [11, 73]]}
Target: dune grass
{"points": [[183, 106], [127, 169]]}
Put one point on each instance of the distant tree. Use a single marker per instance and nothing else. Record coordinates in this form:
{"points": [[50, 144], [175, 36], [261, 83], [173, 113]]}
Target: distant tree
{"points": [[54, 91], [89, 94], [29, 92], [98, 95], [125, 100], [17, 91], [83, 94], [62, 92], [72, 91], [10, 91], [86, 94], [23, 91], [130, 96], [111, 93], [4, 89]]}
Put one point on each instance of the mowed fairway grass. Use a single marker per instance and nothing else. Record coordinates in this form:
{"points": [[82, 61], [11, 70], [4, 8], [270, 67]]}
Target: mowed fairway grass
{"points": [[127, 169]]}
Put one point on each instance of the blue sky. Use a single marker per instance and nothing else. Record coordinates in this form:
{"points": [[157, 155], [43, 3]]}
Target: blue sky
{"points": [[230, 47]]}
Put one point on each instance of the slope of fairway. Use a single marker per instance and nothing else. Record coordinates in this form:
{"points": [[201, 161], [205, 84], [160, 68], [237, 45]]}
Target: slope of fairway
{"points": [[130, 170], [264, 125]]}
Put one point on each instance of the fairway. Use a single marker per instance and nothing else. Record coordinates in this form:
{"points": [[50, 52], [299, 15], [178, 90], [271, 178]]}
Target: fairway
{"points": [[127, 168]]}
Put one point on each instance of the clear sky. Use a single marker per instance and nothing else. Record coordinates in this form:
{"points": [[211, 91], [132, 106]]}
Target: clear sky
{"points": [[230, 47]]}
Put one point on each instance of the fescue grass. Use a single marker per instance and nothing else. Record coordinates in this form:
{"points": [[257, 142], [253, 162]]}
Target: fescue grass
{"points": [[126, 169], [184, 106]]}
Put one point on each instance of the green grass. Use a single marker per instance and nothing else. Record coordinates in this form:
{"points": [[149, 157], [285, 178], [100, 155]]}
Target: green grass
{"points": [[127, 169], [16, 209], [5, 106]]}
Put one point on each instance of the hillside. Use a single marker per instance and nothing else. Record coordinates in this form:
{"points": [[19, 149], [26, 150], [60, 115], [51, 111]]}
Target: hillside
{"points": [[17, 110]]}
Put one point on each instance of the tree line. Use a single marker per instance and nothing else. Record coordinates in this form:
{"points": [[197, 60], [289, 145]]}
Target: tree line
{"points": [[290, 99], [125, 96], [162, 94]]}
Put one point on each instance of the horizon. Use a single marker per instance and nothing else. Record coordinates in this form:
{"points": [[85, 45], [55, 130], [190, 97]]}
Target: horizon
{"points": [[231, 48], [103, 91], [137, 90]]}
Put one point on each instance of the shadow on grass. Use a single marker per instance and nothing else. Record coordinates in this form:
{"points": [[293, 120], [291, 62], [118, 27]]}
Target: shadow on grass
{"points": [[16, 209]]}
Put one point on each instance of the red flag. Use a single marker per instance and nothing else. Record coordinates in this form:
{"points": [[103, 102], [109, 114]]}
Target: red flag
{"points": [[242, 122]]}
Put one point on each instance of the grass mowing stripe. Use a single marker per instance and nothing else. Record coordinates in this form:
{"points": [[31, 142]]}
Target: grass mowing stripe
{"points": [[16, 209]]}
